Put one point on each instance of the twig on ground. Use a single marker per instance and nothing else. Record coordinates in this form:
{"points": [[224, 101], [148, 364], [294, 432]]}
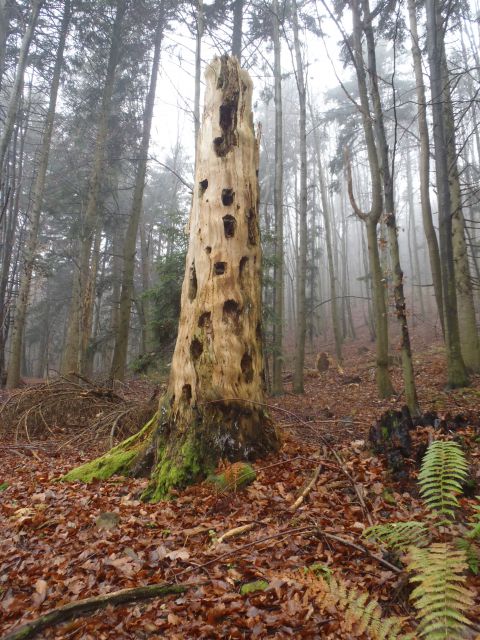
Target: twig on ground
{"points": [[307, 489], [236, 531]]}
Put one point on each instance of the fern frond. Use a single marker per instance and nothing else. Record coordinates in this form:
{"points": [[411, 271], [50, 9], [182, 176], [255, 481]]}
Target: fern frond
{"points": [[472, 553], [398, 535], [474, 533], [444, 467], [441, 597], [361, 614]]}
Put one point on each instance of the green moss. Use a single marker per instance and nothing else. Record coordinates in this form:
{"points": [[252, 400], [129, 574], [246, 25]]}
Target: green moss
{"points": [[104, 467], [117, 461], [251, 587], [175, 470]]}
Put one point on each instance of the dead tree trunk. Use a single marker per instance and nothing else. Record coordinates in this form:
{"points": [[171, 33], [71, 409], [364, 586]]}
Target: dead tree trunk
{"points": [[213, 407]]}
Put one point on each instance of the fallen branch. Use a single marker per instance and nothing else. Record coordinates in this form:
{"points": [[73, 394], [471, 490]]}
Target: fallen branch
{"points": [[307, 489], [358, 547], [236, 531], [90, 605]]}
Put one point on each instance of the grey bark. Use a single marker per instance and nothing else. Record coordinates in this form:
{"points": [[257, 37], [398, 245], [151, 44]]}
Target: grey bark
{"points": [[301, 324], [456, 371], [277, 384]]}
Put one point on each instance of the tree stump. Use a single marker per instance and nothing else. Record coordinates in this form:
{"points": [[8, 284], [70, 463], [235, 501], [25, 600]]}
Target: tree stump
{"points": [[214, 405], [323, 362], [390, 436]]}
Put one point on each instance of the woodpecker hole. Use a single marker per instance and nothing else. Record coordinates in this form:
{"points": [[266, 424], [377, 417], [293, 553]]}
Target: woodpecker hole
{"points": [[228, 196], [196, 349], [219, 268], [229, 225], [247, 367], [192, 283]]}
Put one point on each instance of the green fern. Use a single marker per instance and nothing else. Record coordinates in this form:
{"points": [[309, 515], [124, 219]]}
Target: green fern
{"points": [[441, 597], [398, 535], [472, 553], [470, 545], [444, 467]]}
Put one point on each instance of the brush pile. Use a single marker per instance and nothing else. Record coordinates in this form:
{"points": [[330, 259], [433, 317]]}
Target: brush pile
{"points": [[78, 410]]}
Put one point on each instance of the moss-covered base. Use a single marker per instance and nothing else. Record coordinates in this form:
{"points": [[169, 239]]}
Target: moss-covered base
{"points": [[117, 461], [178, 449]]}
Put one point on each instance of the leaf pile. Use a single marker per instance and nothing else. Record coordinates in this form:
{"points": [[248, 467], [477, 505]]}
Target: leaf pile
{"points": [[64, 542]]}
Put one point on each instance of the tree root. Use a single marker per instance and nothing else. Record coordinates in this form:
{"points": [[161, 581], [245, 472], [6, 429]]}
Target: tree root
{"points": [[90, 605]]}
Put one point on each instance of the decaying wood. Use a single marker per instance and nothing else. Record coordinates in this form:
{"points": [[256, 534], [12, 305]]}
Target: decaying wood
{"points": [[307, 489], [89, 605], [236, 531]]}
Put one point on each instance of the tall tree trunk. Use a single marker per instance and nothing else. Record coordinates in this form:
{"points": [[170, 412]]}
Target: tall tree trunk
{"points": [[301, 323], [278, 309], [13, 375], [456, 371], [466, 309], [427, 218], [390, 218], [328, 241], [7, 274], [237, 29], [17, 88], [4, 26], [371, 219], [88, 355], [413, 242], [214, 405], [148, 339], [121, 339], [81, 306]]}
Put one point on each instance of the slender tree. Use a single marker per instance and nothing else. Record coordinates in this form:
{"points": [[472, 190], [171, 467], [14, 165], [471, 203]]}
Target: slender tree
{"points": [[121, 339], [372, 217], [301, 321], [277, 383], [13, 374], [456, 371], [390, 217], [79, 322], [427, 218], [15, 95]]}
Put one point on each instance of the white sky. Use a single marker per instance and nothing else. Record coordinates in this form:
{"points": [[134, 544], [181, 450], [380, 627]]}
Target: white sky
{"points": [[174, 103]]}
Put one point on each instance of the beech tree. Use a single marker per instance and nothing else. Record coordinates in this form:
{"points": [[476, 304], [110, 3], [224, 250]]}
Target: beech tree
{"points": [[214, 405], [456, 371]]}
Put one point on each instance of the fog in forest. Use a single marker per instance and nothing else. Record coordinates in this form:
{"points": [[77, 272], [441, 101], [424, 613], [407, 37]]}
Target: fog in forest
{"points": [[97, 173]]}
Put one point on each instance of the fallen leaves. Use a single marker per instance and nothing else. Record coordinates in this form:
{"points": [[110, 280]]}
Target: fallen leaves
{"points": [[55, 547]]}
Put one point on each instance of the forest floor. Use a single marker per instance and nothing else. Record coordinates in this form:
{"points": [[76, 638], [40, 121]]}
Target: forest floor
{"points": [[54, 550]]}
